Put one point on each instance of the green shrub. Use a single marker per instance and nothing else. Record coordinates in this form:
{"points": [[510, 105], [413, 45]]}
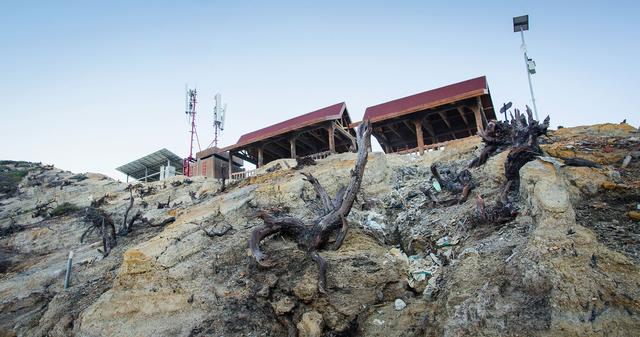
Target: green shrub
{"points": [[9, 180], [64, 209]]}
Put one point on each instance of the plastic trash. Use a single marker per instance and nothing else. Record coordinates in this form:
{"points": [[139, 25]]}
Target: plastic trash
{"points": [[435, 259], [437, 186], [446, 241]]}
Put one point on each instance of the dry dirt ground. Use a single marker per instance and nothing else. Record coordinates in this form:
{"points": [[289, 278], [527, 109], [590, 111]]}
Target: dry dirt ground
{"points": [[567, 265]]}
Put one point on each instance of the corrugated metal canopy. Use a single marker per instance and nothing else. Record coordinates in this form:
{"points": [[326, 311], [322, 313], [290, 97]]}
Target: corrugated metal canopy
{"points": [[151, 163], [325, 114], [430, 99]]}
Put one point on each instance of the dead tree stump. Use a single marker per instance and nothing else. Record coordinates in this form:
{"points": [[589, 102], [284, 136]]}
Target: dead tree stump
{"points": [[522, 137], [312, 237]]}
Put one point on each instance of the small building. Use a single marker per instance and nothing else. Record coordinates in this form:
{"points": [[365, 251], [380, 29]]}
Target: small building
{"points": [[214, 163], [319, 132], [159, 165], [429, 119]]}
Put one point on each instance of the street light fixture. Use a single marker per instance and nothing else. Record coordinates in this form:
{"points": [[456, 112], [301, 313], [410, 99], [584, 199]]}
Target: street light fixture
{"points": [[520, 24]]}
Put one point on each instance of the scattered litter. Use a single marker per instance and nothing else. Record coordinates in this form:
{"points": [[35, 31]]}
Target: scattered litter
{"points": [[435, 259], [445, 241], [419, 275], [419, 270], [448, 253], [399, 304], [378, 322], [626, 161], [436, 185], [431, 288]]}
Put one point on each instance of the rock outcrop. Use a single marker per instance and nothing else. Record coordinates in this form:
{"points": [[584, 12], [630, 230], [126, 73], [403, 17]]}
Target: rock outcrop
{"points": [[568, 265]]}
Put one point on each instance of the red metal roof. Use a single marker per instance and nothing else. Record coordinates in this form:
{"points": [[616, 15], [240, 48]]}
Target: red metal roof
{"points": [[329, 113], [428, 99]]}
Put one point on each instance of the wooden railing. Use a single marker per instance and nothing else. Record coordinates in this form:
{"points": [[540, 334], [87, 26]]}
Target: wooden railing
{"points": [[319, 155], [426, 147], [243, 175]]}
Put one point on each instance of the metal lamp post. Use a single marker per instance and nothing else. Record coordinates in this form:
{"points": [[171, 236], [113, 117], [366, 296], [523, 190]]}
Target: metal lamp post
{"points": [[520, 24]]}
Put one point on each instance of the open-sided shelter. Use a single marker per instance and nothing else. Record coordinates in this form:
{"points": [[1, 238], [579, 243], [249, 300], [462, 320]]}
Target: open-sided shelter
{"points": [[429, 119], [153, 167], [323, 130]]}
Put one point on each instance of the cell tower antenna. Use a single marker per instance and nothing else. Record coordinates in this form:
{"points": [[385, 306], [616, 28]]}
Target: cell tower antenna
{"points": [[190, 111], [219, 112]]}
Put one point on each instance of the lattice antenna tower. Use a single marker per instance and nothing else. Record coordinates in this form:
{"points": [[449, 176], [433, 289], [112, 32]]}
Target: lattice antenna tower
{"points": [[219, 113], [190, 111]]}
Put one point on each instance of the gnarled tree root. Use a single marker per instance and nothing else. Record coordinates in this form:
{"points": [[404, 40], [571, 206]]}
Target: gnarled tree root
{"points": [[312, 237]]}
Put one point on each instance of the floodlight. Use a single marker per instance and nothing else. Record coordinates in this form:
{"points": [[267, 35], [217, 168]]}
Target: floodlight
{"points": [[520, 23]]}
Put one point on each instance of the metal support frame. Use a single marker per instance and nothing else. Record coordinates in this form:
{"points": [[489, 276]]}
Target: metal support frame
{"points": [[526, 65]]}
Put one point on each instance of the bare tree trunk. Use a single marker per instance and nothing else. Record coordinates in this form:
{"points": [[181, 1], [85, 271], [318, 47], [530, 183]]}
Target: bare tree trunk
{"points": [[313, 237]]}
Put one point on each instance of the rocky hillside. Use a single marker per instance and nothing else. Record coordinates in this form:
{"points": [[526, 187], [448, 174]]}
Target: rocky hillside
{"points": [[567, 265]]}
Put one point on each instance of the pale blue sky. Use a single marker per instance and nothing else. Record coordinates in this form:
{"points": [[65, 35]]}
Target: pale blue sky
{"points": [[91, 85]]}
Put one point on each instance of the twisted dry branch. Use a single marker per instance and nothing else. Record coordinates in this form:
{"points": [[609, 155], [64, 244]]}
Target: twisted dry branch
{"points": [[314, 236]]}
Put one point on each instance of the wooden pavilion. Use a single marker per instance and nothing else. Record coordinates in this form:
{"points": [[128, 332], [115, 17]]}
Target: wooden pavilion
{"points": [[322, 131], [429, 119]]}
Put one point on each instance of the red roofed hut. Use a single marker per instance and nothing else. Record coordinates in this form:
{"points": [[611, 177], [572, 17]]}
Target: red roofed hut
{"points": [[429, 119], [321, 131]]}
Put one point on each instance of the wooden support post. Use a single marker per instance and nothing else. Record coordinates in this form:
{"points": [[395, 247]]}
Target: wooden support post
{"points": [[230, 168], [260, 156], [338, 127], [332, 139], [484, 118], [292, 146], [419, 137], [476, 114]]}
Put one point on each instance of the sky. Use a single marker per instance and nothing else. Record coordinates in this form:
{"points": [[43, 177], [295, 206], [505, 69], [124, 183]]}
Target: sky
{"points": [[91, 85]]}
